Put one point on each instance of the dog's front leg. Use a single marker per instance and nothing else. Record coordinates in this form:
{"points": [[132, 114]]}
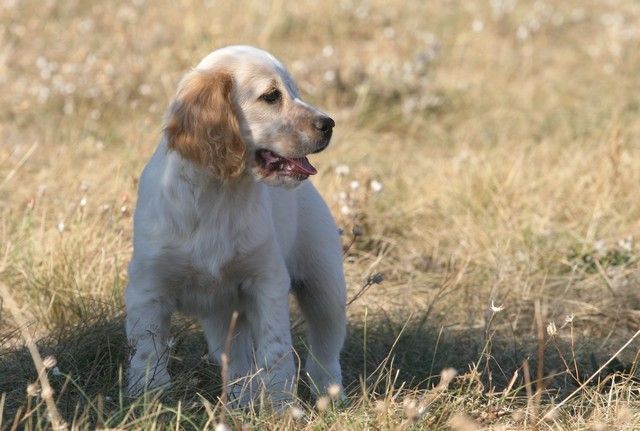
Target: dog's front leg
{"points": [[268, 317], [148, 319]]}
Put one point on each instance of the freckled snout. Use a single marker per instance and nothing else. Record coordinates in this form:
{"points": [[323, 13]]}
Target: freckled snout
{"points": [[324, 125]]}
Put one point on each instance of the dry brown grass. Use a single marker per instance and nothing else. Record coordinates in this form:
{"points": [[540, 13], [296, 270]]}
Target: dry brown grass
{"points": [[504, 135]]}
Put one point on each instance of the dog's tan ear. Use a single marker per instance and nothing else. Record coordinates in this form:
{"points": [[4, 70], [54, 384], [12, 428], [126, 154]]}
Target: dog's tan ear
{"points": [[203, 127]]}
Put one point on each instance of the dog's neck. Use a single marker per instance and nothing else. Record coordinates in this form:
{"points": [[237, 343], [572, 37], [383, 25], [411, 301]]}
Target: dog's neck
{"points": [[185, 180]]}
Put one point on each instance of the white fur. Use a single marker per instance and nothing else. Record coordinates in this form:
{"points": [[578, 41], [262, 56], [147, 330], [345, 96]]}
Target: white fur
{"points": [[207, 248]]}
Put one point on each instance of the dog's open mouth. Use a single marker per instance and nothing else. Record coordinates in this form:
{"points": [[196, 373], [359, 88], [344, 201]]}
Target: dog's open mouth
{"points": [[295, 167]]}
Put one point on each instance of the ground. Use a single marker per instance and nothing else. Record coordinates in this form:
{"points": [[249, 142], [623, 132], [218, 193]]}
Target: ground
{"points": [[485, 162]]}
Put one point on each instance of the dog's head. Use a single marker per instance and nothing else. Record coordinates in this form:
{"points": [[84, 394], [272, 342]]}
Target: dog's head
{"points": [[240, 111]]}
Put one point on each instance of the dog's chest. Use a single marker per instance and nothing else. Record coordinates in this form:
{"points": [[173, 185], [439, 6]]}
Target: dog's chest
{"points": [[217, 266], [221, 239], [213, 238]]}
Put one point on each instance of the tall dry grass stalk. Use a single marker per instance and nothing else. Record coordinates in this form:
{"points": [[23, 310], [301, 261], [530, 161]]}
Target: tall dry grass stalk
{"points": [[483, 151], [224, 397], [597, 373], [46, 390]]}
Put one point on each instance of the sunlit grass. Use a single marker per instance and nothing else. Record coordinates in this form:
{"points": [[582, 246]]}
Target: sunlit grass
{"points": [[486, 152]]}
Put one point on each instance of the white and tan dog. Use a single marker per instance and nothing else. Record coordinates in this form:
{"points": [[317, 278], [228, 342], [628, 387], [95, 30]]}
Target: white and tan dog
{"points": [[226, 222]]}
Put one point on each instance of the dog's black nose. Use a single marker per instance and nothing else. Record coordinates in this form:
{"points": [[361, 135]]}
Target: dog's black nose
{"points": [[324, 124]]}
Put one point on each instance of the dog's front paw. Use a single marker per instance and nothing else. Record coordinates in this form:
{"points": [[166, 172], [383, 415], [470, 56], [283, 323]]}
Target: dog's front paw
{"points": [[252, 391], [144, 380], [241, 392], [325, 380]]}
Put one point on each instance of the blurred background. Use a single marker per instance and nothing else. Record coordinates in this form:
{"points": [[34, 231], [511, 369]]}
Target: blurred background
{"points": [[485, 162]]}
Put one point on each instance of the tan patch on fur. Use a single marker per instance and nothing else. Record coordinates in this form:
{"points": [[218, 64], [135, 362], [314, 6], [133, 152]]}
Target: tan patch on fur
{"points": [[203, 127]]}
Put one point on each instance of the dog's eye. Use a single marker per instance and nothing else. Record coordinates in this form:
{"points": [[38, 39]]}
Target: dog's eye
{"points": [[272, 96]]}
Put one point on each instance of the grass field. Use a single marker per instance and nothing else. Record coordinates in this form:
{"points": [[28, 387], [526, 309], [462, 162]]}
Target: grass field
{"points": [[486, 153]]}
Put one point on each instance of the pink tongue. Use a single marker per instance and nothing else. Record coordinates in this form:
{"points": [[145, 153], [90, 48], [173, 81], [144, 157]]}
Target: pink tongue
{"points": [[303, 166]]}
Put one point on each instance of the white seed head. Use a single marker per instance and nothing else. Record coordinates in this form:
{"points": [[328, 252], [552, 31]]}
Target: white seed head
{"points": [[334, 391], [551, 329], [550, 415], [145, 89], [61, 227], [461, 422], [625, 415], [446, 376], [600, 246], [322, 404], [296, 413], [33, 389], [222, 427], [330, 76], [626, 244], [496, 308], [327, 51], [410, 408], [47, 393], [376, 186], [342, 170], [49, 362], [523, 33]]}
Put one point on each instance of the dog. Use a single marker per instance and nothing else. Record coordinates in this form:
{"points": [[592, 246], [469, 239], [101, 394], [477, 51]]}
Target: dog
{"points": [[226, 222]]}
